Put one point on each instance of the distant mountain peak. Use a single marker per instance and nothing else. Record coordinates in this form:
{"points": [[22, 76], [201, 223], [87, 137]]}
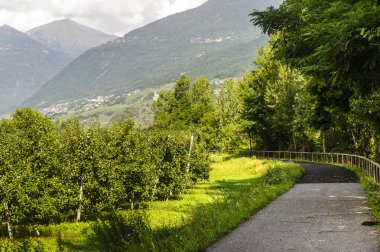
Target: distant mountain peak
{"points": [[6, 27], [66, 20], [69, 36]]}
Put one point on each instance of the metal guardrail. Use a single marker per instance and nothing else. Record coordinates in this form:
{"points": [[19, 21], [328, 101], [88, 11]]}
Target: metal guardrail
{"points": [[370, 168]]}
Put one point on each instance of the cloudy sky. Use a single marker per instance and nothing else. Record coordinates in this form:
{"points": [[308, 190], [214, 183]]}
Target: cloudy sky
{"points": [[111, 16]]}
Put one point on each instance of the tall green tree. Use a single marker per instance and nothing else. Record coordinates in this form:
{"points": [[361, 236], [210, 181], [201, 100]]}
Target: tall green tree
{"points": [[132, 173], [229, 110], [337, 44], [30, 181]]}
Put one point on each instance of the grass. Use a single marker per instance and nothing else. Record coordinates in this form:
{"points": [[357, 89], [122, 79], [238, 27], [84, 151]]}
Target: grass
{"points": [[227, 176], [238, 188]]}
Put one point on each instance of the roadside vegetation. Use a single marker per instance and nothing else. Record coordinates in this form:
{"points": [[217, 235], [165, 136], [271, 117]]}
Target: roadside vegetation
{"points": [[238, 187]]}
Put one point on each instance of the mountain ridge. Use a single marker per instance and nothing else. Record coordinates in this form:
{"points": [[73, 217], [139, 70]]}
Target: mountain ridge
{"points": [[25, 65], [216, 39], [68, 36]]}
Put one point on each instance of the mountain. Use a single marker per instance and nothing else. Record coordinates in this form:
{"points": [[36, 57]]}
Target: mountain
{"points": [[69, 36], [216, 39], [25, 65]]}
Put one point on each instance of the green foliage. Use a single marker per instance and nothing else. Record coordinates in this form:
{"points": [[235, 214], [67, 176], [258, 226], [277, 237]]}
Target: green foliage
{"points": [[61, 172], [277, 108], [31, 181], [32, 245], [336, 44], [237, 189], [214, 118], [120, 232]]}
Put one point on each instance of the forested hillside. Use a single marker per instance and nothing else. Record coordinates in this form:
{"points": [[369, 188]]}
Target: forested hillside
{"points": [[216, 40]]}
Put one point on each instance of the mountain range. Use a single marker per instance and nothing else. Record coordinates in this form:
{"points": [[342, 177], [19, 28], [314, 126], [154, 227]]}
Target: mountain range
{"points": [[216, 39], [29, 60]]}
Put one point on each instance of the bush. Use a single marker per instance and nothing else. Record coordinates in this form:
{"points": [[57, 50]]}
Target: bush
{"points": [[121, 232], [32, 245], [275, 175]]}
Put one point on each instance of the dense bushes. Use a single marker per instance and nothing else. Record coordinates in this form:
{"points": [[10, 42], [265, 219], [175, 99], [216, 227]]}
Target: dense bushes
{"points": [[55, 172]]}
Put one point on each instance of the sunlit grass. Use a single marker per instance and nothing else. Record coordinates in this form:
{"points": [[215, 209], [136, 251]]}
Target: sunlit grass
{"points": [[224, 169]]}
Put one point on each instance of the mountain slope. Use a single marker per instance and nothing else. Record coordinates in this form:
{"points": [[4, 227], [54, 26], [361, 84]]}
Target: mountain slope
{"points": [[216, 39], [25, 65], [69, 36]]}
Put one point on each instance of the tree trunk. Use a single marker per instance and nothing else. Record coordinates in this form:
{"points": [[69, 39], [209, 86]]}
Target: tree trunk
{"points": [[132, 200], [9, 225], [250, 144], [323, 142], [36, 230], [190, 149], [79, 211], [155, 187], [355, 143]]}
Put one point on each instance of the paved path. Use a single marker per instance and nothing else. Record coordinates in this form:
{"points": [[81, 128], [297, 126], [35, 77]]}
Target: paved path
{"points": [[325, 211]]}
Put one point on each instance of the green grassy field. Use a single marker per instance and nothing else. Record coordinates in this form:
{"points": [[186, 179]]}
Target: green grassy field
{"points": [[237, 188]]}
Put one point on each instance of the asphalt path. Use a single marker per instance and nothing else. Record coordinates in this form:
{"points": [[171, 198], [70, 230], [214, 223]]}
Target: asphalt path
{"points": [[326, 211]]}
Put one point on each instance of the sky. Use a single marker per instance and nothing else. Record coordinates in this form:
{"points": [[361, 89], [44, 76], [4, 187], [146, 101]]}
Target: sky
{"points": [[111, 16]]}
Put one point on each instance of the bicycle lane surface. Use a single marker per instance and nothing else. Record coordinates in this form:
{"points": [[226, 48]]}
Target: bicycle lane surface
{"points": [[325, 211]]}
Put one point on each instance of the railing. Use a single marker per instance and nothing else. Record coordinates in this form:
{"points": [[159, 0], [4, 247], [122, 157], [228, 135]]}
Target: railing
{"points": [[371, 168]]}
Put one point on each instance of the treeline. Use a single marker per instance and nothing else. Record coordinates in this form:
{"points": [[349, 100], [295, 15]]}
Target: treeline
{"points": [[275, 107], [197, 107], [317, 84], [52, 172]]}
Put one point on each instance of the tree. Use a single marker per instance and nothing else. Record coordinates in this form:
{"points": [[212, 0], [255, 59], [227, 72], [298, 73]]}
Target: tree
{"points": [[202, 112], [337, 44], [84, 164], [228, 113], [256, 111], [132, 169], [31, 185]]}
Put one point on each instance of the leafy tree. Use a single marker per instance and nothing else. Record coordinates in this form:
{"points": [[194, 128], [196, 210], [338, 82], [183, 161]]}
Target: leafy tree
{"points": [[86, 170], [203, 106], [228, 113], [31, 187], [277, 106], [256, 111], [173, 107], [132, 169], [337, 44]]}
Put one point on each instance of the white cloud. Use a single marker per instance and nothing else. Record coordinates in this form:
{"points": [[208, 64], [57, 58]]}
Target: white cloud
{"points": [[112, 16]]}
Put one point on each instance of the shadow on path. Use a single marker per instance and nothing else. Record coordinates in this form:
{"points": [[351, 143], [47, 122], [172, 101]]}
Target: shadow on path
{"points": [[323, 173]]}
